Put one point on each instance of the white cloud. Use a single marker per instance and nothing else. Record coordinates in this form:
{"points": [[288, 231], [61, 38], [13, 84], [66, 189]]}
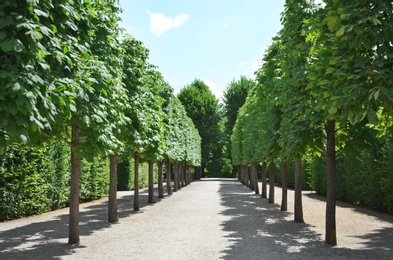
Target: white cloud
{"points": [[213, 88], [243, 64], [159, 23], [257, 64]]}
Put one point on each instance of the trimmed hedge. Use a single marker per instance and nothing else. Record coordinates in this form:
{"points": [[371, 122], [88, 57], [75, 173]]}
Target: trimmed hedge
{"points": [[34, 181], [125, 174], [291, 175], [364, 172]]}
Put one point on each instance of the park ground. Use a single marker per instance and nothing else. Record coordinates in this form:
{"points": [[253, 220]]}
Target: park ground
{"points": [[209, 219]]}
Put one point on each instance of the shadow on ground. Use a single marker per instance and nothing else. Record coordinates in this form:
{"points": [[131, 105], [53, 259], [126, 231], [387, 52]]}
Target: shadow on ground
{"points": [[48, 240], [259, 230]]}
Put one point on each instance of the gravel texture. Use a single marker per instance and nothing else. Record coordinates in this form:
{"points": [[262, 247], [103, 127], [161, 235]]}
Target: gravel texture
{"points": [[209, 219]]}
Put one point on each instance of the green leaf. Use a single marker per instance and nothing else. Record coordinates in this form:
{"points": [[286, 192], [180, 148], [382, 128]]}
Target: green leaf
{"points": [[331, 21], [341, 31], [16, 87], [73, 108], [324, 82], [41, 13], [3, 35], [376, 21], [12, 45], [5, 121], [46, 31], [54, 28], [372, 118], [333, 110], [330, 70], [23, 138]]}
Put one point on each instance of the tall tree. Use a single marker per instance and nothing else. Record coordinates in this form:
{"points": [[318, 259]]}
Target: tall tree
{"points": [[350, 76], [202, 107], [295, 100], [234, 98], [68, 94]]}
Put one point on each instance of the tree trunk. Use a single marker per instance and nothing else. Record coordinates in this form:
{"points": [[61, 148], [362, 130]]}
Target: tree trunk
{"points": [[160, 183], [168, 178], [244, 172], [298, 191], [198, 173], [252, 179], [175, 173], [331, 237], [241, 175], [182, 176], [284, 197], [254, 175], [247, 174], [271, 182], [136, 183], [151, 183], [186, 175], [73, 237], [264, 185], [112, 200], [179, 172]]}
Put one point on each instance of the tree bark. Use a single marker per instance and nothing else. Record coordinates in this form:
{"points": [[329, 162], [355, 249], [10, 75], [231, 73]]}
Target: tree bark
{"points": [[244, 172], [298, 191], [271, 182], [254, 175], [247, 174], [179, 171], [182, 176], [186, 175], [252, 181], [136, 183], [160, 183], [331, 237], [198, 173], [241, 175], [284, 197], [175, 178], [168, 178], [73, 237], [151, 183], [264, 185], [112, 199]]}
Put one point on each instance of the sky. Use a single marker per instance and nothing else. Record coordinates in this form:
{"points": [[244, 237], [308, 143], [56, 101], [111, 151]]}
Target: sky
{"points": [[216, 41]]}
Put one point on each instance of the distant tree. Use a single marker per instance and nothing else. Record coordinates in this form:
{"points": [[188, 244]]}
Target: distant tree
{"points": [[234, 98], [202, 107]]}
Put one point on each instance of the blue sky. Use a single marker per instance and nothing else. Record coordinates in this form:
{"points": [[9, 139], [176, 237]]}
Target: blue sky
{"points": [[212, 40]]}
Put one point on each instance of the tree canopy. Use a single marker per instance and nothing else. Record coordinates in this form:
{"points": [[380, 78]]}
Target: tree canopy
{"points": [[202, 107]]}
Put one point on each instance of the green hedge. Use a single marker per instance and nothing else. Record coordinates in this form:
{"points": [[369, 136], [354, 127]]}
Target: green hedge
{"points": [[306, 175], [33, 181], [125, 174], [364, 172]]}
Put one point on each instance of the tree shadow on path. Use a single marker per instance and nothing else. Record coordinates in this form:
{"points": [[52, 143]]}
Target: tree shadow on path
{"points": [[259, 230], [47, 237]]}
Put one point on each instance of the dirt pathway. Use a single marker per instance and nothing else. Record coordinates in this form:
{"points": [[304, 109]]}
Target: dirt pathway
{"points": [[210, 219]]}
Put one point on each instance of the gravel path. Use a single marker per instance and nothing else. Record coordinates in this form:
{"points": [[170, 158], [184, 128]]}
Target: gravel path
{"points": [[210, 219]]}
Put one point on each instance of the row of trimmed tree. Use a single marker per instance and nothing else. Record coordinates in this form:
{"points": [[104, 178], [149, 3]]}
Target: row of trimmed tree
{"points": [[327, 72], [67, 73]]}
